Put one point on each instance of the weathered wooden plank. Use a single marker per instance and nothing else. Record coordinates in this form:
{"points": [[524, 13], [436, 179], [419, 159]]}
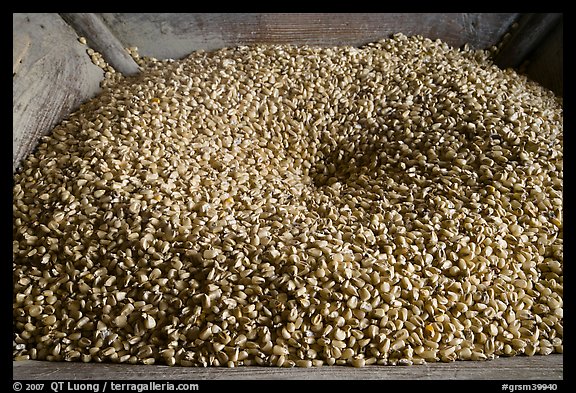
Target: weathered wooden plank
{"points": [[531, 31], [54, 76], [20, 46], [515, 368], [546, 64], [164, 35], [101, 39]]}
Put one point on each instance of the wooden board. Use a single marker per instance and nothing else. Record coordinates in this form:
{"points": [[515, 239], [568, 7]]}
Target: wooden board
{"points": [[536, 48], [52, 76], [546, 64], [101, 39], [508, 369], [165, 35]]}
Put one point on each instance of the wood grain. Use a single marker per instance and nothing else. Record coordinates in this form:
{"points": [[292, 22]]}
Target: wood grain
{"points": [[515, 368], [164, 35], [101, 39], [531, 31], [20, 46], [54, 77], [546, 63]]}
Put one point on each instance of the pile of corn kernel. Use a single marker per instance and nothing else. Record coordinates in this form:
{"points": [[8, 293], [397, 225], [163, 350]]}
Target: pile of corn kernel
{"points": [[393, 204]]}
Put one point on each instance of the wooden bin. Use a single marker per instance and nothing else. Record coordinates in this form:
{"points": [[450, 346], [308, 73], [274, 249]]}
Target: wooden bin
{"points": [[52, 76]]}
